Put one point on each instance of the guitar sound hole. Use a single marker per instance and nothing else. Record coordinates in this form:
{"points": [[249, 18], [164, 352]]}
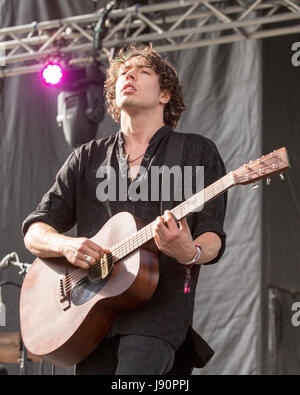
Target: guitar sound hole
{"points": [[95, 275]]}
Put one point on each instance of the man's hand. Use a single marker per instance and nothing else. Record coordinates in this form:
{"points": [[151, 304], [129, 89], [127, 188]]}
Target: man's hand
{"points": [[77, 250], [44, 241], [173, 241]]}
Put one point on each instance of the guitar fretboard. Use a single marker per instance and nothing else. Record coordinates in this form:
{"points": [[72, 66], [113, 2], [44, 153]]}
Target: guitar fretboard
{"points": [[195, 202]]}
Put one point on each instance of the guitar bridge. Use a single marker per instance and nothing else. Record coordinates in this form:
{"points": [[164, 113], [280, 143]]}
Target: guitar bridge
{"points": [[100, 270], [104, 267]]}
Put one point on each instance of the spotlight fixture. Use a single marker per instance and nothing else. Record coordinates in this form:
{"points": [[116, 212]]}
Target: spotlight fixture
{"points": [[81, 105]]}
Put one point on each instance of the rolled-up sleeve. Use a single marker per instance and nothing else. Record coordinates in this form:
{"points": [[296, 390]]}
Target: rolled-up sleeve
{"points": [[211, 217], [58, 206]]}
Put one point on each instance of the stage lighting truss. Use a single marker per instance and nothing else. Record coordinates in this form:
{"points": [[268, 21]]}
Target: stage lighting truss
{"points": [[169, 25]]}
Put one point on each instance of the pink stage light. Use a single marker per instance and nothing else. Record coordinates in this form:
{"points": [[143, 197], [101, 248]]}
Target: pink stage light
{"points": [[52, 74]]}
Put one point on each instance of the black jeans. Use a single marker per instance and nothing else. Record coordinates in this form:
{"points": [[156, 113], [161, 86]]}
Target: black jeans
{"points": [[129, 355]]}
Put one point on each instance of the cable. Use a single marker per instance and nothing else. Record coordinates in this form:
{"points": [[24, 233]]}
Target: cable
{"points": [[101, 28]]}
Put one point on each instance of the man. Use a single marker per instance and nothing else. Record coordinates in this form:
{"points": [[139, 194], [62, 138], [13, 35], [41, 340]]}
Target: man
{"points": [[144, 95]]}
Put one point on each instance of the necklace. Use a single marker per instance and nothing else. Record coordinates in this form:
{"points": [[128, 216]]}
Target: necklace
{"points": [[132, 160]]}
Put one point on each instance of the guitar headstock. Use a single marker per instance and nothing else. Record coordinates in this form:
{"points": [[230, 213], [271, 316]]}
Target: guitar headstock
{"points": [[275, 162]]}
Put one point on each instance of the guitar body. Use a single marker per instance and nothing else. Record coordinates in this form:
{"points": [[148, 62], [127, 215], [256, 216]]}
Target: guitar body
{"points": [[66, 330]]}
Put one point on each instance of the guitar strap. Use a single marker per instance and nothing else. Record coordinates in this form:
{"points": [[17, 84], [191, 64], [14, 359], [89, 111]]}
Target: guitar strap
{"points": [[194, 351], [173, 157]]}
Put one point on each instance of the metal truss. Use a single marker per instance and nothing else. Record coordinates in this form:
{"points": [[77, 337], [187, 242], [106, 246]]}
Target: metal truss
{"points": [[169, 25]]}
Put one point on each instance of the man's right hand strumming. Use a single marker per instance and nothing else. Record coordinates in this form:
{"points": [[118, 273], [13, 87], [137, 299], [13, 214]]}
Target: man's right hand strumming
{"points": [[44, 241]]}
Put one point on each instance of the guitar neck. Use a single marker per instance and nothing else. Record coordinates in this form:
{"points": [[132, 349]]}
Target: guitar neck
{"points": [[184, 209], [273, 163]]}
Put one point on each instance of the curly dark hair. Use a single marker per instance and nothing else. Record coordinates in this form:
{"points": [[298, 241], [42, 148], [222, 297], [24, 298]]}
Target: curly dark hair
{"points": [[168, 81]]}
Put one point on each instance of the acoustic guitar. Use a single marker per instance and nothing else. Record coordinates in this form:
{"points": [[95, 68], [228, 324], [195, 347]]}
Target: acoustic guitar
{"points": [[65, 311]]}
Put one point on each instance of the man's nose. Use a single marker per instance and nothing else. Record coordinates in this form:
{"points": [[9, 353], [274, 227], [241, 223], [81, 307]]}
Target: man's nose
{"points": [[130, 75]]}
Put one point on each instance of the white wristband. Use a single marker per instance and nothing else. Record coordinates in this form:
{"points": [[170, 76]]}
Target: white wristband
{"points": [[196, 257]]}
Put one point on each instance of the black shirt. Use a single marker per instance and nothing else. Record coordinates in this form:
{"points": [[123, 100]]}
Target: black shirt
{"points": [[74, 199]]}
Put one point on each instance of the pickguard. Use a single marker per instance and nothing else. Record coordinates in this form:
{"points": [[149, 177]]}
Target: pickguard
{"points": [[86, 290]]}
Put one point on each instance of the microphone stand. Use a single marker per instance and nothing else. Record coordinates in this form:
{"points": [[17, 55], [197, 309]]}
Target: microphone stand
{"points": [[24, 267]]}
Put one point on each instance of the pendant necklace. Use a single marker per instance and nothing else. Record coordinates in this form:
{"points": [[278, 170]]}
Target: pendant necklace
{"points": [[132, 160]]}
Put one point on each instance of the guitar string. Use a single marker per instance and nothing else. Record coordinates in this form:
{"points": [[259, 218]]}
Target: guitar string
{"points": [[79, 274], [136, 238], [133, 240]]}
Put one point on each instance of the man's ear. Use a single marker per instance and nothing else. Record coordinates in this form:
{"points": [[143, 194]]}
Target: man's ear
{"points": [[165, 97]]}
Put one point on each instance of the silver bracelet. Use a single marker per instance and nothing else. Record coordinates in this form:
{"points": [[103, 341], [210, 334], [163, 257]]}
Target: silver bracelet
{"points": [[196, 257]]}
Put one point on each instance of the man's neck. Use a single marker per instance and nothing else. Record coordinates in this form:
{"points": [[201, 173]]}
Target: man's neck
{"points": [[138, 130]]}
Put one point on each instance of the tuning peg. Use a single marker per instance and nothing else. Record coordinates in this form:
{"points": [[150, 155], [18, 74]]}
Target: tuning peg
{"points": [[268, 182], [281, 176], [274, 154], [255, 186]]}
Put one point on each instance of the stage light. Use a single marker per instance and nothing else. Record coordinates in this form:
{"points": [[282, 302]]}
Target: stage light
{"points": [[81, 104], [52, 74]]}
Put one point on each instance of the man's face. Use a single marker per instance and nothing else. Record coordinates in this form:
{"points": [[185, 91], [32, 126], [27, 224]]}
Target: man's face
{"points": [[138, 87]]}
